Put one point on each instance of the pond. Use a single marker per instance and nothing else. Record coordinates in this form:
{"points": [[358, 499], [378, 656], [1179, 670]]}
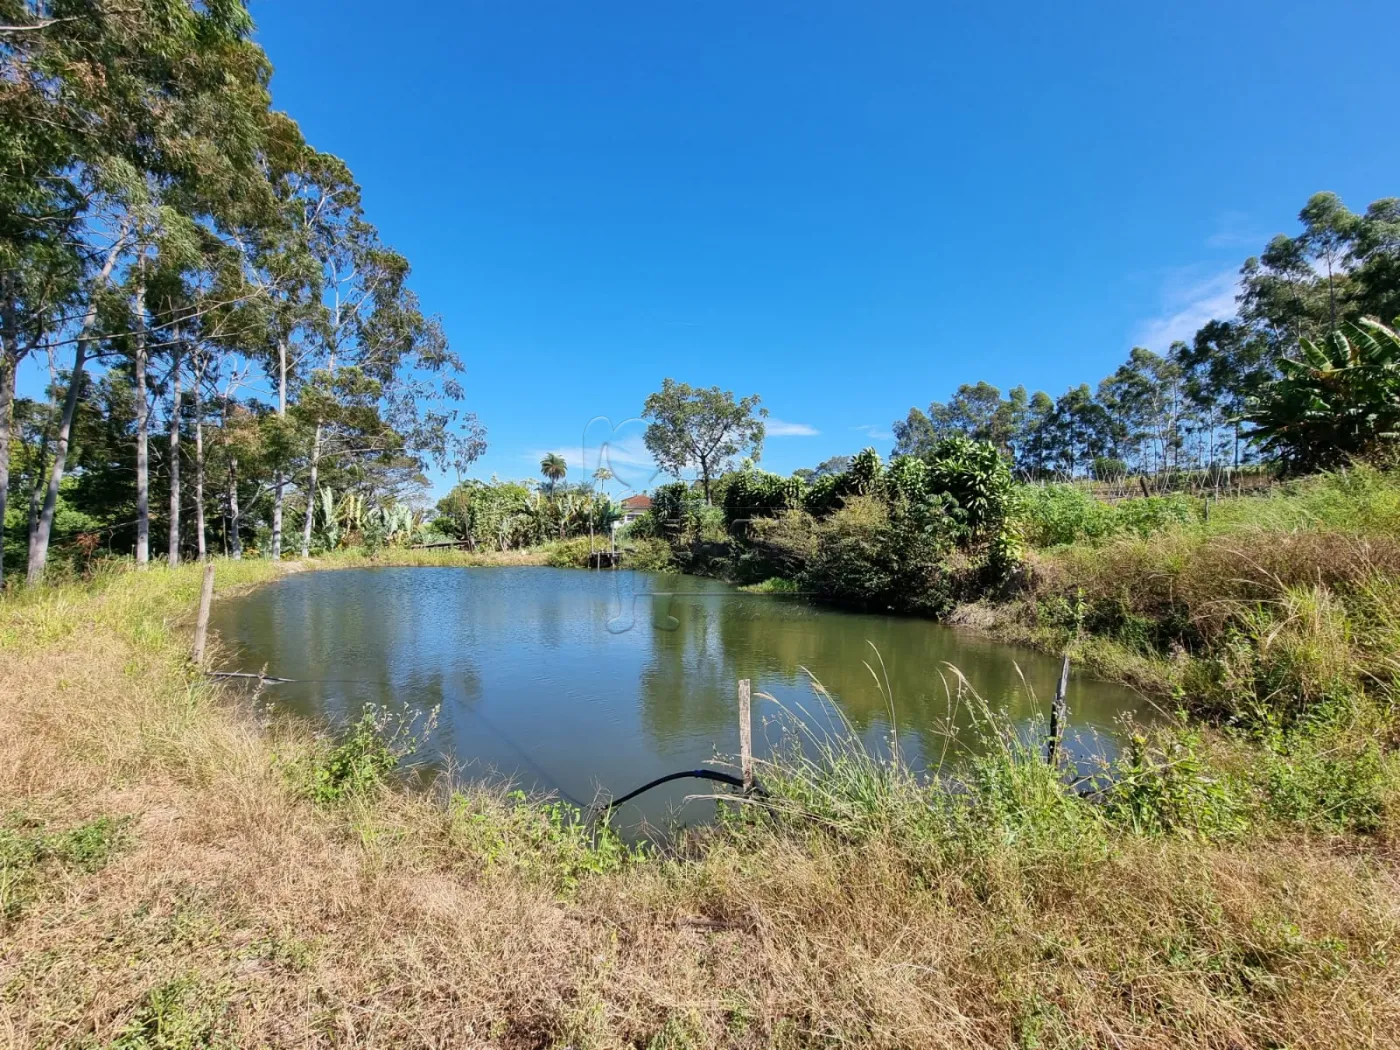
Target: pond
{"points": [[592, 683]]}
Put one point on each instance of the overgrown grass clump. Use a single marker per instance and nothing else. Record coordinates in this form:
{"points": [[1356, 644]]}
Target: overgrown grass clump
{"points": [[1273, 607]]}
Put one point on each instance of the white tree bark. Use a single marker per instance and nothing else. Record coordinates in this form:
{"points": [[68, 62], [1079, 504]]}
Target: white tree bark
{"points": [[279, 479], [199, 463], [39, 550], [143, 459], [9, 364], [174, 557]]}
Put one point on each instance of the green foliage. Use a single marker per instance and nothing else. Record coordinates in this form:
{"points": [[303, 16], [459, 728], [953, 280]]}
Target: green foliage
{"points": [[554, 469], [752, 493], [1169, 786], [181, 1014], [31, 856], [973, 480], [572, 554], [772, 585], [870, 559], [1340, 398], [1323, 773], [551, 842], [504, 515], [1051, 515], [646, 554], [369, 751], [700, 428]]}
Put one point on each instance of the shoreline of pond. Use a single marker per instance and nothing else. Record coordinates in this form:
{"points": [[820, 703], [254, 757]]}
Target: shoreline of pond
{"points": [[994, 622]]}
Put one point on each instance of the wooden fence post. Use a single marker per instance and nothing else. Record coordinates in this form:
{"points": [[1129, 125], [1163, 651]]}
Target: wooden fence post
{"points": [[1059, 714], [201, 626], [745, 735]]}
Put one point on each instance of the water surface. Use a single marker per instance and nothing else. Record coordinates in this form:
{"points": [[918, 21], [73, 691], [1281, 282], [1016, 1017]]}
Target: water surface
{"points": [[595, 682]]}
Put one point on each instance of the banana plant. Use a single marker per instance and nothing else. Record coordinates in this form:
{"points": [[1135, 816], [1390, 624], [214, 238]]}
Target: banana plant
{"points": [[1338, 398], [330, 523]]}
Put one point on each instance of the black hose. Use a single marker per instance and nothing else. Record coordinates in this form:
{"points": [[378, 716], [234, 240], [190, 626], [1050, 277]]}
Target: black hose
{"points": [[698, 774]]}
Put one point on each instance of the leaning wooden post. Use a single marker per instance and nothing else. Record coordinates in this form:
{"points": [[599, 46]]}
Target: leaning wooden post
{"points": [[1059, 714], [745, 735], [201, 626]]}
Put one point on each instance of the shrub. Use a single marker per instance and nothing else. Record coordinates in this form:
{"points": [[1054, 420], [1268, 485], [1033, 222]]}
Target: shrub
{"points": [[674, 507], [781, 547], [866, 558], [973, 481], [1166, 784], [547, 841], [1322, 775], [751, 494], [649, 555], [573, 554], [363, 759]]}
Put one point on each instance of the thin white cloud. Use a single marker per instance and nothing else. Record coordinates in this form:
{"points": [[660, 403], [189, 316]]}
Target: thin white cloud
{"points": [[779, 428], [875, 431], [1235, 229], [627, 450], [1187, 304]]}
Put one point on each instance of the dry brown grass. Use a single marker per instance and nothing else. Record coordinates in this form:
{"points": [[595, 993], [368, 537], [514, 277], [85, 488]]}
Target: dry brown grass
{"points": [[240, 914]]}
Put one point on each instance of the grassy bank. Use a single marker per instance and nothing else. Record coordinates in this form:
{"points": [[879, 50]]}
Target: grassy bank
{"points": [[174, 874], [1259, 607]]}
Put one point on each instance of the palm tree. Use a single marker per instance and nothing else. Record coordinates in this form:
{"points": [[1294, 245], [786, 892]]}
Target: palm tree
{"points": [[554, 469], [601, 476]]}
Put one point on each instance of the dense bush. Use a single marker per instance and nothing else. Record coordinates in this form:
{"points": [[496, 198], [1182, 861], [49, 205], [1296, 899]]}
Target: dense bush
{"points": [[675, 508], [867, 557], [753, 494]]}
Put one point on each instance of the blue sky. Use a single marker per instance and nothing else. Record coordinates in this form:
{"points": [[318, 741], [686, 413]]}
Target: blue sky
{"points": [[846, 208]]}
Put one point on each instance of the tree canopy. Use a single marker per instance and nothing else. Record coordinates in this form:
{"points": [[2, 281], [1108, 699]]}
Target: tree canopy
{"points": [[183, 260], [702, 429]]}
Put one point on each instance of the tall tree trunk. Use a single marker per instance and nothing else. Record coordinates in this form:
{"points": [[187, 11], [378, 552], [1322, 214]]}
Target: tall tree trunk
{"points": [[199, 463], [174, 557], [311, 493], [279, 479], [9, 365], [39, 549], [143, 458], [41, 466], [232, 538], [316, 452]]}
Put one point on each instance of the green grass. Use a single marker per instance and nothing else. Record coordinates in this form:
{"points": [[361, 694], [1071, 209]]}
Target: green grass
{"points": [[33, 857], [772, 585]]}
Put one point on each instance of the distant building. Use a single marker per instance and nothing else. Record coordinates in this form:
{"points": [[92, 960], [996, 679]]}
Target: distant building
{"points": [[633, 507]]}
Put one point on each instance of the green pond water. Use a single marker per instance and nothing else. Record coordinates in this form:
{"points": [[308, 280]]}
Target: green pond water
{"points": [[590, 683]]}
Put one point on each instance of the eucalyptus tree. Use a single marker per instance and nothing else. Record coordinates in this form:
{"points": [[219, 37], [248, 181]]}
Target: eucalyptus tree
{"points": [[372, 393], [1374, 261], [274, 239], [125, 120]]}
